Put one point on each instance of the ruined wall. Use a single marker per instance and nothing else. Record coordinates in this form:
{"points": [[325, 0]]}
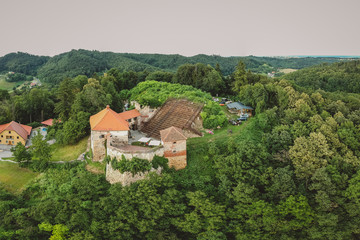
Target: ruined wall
{"points": [[146, 112], [148, 155], [176, 154], [126, 178]]}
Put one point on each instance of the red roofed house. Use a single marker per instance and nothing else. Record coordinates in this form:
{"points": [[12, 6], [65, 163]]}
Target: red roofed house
{"points": [[12, 133], [49, 122], [174, 147], [107, 124]]}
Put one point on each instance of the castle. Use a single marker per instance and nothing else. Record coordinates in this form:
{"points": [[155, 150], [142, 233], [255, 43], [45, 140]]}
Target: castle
{"points": [[111, 133]]}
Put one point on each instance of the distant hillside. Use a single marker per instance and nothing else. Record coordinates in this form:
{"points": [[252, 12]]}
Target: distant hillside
{"points": [[84, 62], [22, 63], [343, 76]]}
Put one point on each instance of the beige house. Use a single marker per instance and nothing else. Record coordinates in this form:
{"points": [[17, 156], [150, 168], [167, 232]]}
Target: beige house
{"points": [[12, 133]]}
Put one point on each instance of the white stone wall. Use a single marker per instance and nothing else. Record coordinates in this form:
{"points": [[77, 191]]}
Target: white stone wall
{"points": [[126, 178], [98, 145], [117, 153]]}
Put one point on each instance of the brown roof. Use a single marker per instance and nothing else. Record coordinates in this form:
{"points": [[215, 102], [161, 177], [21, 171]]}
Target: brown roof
{"points": [[23, 130], [108, 120], [49, 122], [129, 114], [172, 134]]}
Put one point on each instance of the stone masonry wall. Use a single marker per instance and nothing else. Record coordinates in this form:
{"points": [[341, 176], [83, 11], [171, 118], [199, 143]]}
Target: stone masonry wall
{"points": [[98, 145], [176, 154], [126, 178], [148, 155]]}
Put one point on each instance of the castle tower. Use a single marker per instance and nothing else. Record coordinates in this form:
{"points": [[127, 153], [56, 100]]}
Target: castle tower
{"points": [[174, 147]]}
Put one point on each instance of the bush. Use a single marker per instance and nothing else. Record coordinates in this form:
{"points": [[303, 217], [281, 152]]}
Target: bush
{"points": [[34, 124]]}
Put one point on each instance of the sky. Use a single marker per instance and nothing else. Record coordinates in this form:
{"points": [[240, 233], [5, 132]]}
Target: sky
{"points": [[186, 27]]}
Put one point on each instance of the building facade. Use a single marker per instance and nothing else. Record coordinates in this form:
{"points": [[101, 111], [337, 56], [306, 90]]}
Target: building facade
{"points": [[12, 133], [107, 125], [174, 143]]}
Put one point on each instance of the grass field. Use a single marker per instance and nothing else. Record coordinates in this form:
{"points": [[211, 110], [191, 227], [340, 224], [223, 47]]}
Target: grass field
{"points": [[8, 85], [287, 70], [68, 152], [15, 178]]}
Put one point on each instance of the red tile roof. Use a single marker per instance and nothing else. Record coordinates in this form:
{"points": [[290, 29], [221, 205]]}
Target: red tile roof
{"points": [[23, 130], [130, 114], [49, 122], [108, 120], [172, 134]]}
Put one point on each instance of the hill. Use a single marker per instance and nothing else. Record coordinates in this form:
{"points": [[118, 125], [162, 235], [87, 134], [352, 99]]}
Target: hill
{"points": [[85, 62], [342, 76], [22, 63]]}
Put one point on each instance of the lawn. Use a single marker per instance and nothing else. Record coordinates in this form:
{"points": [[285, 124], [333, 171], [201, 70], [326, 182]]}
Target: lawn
{"points": [[15, 178], [8, 85], [68, 152], [220, 135]]}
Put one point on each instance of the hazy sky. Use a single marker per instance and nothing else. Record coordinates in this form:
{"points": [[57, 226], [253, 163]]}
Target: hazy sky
{"points": [[187, 27]]}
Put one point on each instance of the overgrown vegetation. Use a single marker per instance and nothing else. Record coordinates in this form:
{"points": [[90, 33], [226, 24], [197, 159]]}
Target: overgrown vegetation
{"points": [[137, 165]]}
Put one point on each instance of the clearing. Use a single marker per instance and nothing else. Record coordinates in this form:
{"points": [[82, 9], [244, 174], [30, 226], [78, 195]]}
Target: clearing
{"points": [[8, 85], [15, 178], [68, 152], [287, 70]]}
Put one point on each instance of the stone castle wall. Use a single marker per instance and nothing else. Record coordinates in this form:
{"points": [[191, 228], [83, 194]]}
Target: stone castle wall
{"points": [[98, 139], [126, 178], [98, 145], [148, 155], [176, 154]]}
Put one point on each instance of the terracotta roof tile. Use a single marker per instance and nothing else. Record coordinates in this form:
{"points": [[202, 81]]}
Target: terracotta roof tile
{"points": [[130, 114], [108, 120], [48, 122], [23, 130], [172, 134]]}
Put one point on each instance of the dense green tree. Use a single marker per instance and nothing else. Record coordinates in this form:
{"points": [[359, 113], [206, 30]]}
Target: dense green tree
{"points": [[20, 153], [309, 154]]}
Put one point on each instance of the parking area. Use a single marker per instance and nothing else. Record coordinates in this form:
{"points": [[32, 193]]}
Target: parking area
{"points": [[5, 151]]}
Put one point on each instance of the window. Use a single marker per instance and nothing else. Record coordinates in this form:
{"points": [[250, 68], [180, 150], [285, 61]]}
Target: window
{"points": [[174, 151], [2, 135], [101, 136], [0, 141], [174, 142], [7, 141], [9, 132], [17, 137]]}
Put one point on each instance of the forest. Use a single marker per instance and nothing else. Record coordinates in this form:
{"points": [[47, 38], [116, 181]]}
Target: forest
{"points": [[83, 62], [291, 172], [341, 76]]}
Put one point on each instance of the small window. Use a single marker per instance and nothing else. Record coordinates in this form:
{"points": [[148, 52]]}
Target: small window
{"points": [[174, 142], [9, 132], [2, 135], [101, 136], [0, 140], [174, 151], [17, 137], [7, 141]]}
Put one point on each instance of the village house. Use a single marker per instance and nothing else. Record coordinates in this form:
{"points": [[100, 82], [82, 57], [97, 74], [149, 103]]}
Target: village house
{"points": [[49, 122], [12, 133], [239, 108]]}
